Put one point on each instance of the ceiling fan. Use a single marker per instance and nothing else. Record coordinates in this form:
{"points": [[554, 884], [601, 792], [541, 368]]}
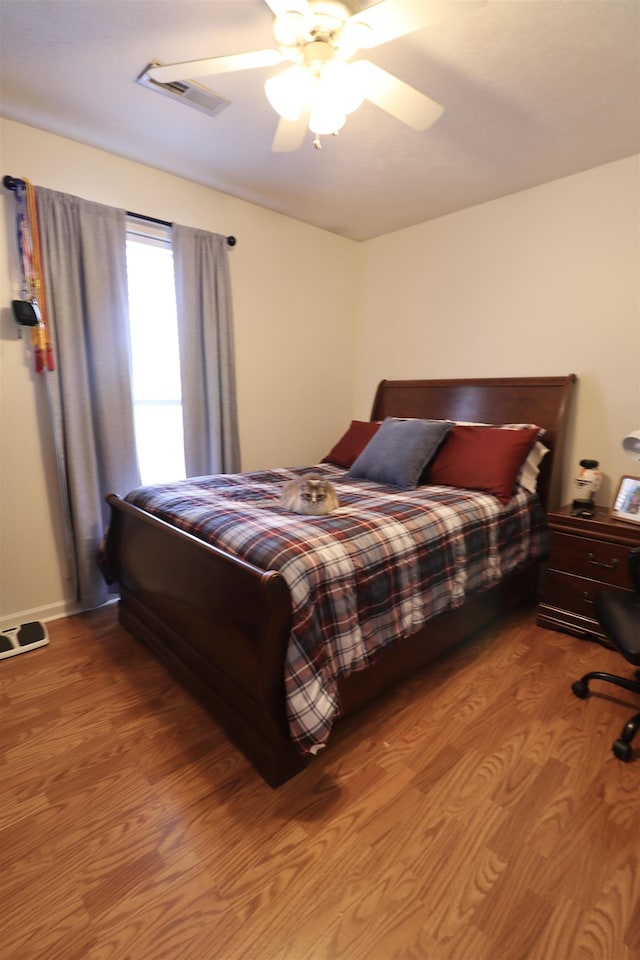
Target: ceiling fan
{"points": [[321, 86]]}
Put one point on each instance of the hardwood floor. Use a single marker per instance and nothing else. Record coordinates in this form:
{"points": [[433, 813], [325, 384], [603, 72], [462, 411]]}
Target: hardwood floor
{"points": [[475, 813]]}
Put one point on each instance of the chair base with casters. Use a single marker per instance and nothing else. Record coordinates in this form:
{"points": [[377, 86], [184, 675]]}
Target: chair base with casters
{"points": [[619, 614], [622, 746]]}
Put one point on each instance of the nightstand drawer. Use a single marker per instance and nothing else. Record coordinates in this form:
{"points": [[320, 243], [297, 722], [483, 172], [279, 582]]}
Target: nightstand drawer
{"points": [[572, 593], [593, 559]]}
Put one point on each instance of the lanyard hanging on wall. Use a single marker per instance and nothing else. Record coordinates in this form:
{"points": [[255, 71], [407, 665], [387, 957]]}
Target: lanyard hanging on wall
{"points": [[31, 311]]}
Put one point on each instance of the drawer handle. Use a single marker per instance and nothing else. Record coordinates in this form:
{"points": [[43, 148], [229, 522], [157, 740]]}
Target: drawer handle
{"points": [[587, 598], [599, 563]]}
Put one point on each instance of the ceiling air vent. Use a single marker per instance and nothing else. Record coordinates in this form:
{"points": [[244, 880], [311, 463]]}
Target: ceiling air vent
{"points": [[188, 92]]}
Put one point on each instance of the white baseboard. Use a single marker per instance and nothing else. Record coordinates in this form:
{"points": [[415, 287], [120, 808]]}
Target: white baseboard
{"points": [[54, 611]]}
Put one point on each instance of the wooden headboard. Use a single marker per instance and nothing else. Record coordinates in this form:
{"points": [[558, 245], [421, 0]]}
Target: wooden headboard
{"points": [[540, 400]]}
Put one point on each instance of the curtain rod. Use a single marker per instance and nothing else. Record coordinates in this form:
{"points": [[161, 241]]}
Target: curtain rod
{"points": [[12, 182]]}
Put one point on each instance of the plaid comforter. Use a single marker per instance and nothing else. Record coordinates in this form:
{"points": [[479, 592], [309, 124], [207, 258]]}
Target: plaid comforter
{"points": [[372, 572]]}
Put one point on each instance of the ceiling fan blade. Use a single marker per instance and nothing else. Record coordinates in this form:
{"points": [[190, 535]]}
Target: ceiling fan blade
{"points": [[282, 7], [396, 18], [191, 69], [397, 97], [290, 134]]}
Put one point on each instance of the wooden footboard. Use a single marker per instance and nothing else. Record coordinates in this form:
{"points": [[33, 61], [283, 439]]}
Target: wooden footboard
{"points": [[221, 625]]}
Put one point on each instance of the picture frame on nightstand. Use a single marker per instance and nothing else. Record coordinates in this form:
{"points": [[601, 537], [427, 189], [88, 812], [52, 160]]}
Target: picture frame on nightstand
{"points": [[626, 503]]}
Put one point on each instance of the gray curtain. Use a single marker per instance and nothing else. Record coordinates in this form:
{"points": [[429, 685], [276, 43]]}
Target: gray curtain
{"points": [[207, 365], [85, 273]]}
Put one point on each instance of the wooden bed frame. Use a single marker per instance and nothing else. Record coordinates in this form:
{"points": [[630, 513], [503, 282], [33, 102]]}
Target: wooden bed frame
{"points": [[221, 625]]}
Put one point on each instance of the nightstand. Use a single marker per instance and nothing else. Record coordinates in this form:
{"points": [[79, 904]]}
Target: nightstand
{"points": [[585, 556]]}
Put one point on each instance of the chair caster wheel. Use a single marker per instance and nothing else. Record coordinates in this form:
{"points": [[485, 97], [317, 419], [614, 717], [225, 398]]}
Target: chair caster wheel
{"points": [[580, 689], [622, 750]]}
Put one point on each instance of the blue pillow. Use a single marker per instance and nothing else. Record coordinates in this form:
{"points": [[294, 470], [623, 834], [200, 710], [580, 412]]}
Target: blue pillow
{"points": [[400, 450]]}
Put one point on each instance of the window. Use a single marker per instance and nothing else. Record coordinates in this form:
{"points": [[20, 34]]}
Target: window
{"points": [[157, 393]]}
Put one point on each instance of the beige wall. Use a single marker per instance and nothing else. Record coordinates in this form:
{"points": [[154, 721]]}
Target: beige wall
{"points": [[543, 282], [294, 292]]}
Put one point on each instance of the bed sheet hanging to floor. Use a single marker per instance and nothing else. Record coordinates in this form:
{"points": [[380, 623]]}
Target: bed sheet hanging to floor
{"points": [[379, 568]]}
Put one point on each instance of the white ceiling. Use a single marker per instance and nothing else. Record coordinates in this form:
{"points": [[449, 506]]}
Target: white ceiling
{"points": [[533, 90]]}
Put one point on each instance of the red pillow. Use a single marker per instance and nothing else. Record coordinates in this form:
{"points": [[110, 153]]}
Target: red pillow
{"points": [[351, 445], [482, 458]]}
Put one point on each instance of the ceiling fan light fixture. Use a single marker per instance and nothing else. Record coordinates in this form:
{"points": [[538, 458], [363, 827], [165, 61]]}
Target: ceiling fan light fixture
{"points": [[289, 91], [290, 28], [325, 119], [343, 85], [330, 91], [327, 114], [354, 36]]}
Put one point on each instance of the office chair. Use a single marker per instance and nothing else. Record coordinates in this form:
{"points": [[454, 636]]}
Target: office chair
{"points": [[619, 615]]}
